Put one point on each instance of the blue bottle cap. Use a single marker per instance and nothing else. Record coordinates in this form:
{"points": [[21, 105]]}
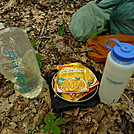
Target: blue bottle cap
{"points": [[122, 53]]}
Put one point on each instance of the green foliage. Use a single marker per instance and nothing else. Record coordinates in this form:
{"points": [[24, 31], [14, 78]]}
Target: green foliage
{"points": [[49, 119], [59, 121], [56, 130], [51, 124], [39, 58], [94, 34], [11, 85], [58, 1], [47, 128], [34, 43], [62, 28], [28, 29]]}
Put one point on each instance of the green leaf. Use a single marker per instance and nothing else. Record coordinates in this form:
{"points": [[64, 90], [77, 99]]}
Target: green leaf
{"points": [[28, 29], [94, 34], [56, 130], [47, 128], [35, 43], [49, 119], [62, 28], [58, 1], [51, 63], [40, 64], [59, 121], [39, 58], [11, 85]]}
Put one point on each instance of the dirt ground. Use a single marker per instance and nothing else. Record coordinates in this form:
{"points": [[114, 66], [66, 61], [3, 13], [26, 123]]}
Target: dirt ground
{"points": [[19, 115]]}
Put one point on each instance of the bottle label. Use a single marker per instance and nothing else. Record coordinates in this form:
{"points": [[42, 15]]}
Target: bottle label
{"points": [[13, 57], [7, 52], [116, 83]]}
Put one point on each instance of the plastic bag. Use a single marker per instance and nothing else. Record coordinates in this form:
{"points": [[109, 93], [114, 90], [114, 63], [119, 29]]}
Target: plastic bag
{"points": [[121, 17], [88, 19]]}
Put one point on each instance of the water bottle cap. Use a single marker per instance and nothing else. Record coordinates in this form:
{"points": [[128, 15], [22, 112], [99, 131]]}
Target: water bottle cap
{"points": [[122, 53]]}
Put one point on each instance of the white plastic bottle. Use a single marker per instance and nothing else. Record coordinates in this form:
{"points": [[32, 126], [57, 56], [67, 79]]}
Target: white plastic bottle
{"points": [[117, 72], [18, 62]]}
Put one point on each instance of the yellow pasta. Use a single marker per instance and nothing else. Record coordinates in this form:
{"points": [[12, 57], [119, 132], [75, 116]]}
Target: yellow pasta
{"points": [[73, 77], [71, 84]]}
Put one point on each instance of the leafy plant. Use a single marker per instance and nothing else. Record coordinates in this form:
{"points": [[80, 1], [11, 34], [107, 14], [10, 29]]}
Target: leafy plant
{"points": [[51, 124], [11, 85], [94, 34], [39, 58], [34, 43], [62, 28], [28, 29]]}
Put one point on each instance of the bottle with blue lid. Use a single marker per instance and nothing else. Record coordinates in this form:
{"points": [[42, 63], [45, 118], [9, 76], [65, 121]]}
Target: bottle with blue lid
{"points": [[117, 72]]}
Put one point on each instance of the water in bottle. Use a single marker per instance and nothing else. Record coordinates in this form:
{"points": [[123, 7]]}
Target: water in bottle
{"points": [[18, 62]]}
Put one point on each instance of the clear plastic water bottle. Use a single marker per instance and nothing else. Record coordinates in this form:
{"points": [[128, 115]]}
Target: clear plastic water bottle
{"points": [[117, 72], [18, 62]]}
